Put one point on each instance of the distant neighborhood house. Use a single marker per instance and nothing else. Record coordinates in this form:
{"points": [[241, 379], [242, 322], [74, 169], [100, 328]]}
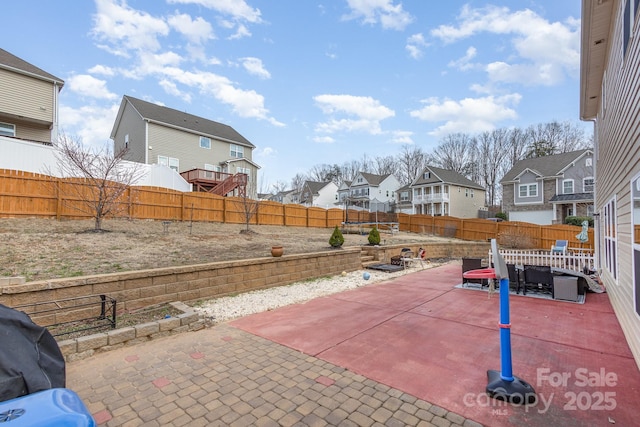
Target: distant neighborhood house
{"points": [[439, 192], [214, 152], [546, 190], [371, 192], [320, 194], [29, 101]]}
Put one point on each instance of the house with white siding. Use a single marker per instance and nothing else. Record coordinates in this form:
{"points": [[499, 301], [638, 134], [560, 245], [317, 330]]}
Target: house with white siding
{"points": [[372, 192], [29, 101], [206, 153], [609, 92], [320, 194]]}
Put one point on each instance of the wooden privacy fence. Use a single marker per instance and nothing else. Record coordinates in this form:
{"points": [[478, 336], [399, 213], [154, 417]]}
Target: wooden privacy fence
{"points": [[26, 194]]}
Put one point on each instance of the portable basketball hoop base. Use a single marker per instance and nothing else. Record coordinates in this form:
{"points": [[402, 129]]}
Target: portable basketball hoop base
{"points": [[502, 384]]}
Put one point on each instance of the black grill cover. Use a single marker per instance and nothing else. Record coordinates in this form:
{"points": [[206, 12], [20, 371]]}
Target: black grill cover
{"points": [[30, 359]]}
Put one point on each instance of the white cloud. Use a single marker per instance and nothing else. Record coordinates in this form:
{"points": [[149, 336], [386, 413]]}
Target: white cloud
{"points": [[464, 63], [172, 89], [545, 51], [469, 115], [240, 33], [368, 113], [103, 70], [266, 152], [86, 85], [323, 140], [127, 29], [389, 15], [255, 67], [402, 137], [196, 30], [90, 123], [238, 9], [414, 45]]}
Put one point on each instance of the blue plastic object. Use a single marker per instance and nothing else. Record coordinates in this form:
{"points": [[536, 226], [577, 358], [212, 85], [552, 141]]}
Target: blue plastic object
{"points": [[55, 407]]}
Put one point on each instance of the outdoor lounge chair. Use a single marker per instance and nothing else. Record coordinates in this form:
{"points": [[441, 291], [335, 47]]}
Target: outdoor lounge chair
{"points": [[538, 277], [560, 247], [472, 264]]}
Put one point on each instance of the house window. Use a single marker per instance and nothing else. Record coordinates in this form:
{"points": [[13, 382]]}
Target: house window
{"points": [[466, 192], [587, 185], [610, 238], [426, 175], [174, 164], [205, 142], [588, 162], [404, 196], [567, 186], [237, 151], [528, 190], [629, 13], [472, 193], [163, 160], [126, 141], [7, 129], [245, 171]]}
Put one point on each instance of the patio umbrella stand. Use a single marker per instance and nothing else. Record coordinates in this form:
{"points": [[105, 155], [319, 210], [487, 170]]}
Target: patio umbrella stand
{"points": [[503, 385]]}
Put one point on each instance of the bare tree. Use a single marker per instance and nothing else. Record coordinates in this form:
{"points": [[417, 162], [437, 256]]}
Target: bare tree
{"points": [[385, 165], [349, 170], [248, 208], [279, 186], [455, 152], [297, 182], [555, 138], [103, 175], [411, 161]]}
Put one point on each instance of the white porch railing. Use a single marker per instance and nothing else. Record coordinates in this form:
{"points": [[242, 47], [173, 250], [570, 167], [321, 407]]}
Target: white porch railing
{"points": [[571, 260]]}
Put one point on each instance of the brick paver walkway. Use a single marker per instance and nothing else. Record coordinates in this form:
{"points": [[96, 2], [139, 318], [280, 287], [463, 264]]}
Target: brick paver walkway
{"points": [[223, 376]]}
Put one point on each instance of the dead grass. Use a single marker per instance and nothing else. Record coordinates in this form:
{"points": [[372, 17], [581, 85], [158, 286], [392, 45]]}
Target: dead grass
{"points": [[41, 249]]}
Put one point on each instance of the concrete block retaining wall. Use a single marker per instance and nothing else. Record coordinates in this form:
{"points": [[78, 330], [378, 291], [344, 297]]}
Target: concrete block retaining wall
{"points": [[435, 250]]}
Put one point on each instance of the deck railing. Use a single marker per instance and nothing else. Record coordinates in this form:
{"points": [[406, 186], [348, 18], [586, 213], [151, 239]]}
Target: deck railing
{"points": [[571, 260]]}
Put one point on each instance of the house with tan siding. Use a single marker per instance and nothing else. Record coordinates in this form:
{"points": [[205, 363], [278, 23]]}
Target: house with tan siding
{"points": [[609, 93], [197, 147], [29, 101], [438, 192], [546, 190]]}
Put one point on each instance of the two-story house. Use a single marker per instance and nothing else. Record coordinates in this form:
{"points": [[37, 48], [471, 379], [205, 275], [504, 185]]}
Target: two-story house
{"points": [[438, 191], [404, 199], [29, 101], [609, 92], [212, 156], [375, 193], [343, 194], [546, 190], [320, 194]]}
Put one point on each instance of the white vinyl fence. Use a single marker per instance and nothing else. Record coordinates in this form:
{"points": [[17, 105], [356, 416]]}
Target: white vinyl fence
{"points": [[576, 260]]}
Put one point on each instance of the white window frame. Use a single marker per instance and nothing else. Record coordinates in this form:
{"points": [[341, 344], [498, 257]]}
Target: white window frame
{"points": [[126, 141], [588, 162], [205, 142], [163, 160], [7, 129], [528, 192], [610, 234], [565, 183], [588, 188], [174, 164], [236, 151]]}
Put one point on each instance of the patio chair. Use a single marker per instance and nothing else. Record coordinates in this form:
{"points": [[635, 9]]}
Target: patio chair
{"points": [[560, 247], [515, 279], [538, 277], [472, 264]]}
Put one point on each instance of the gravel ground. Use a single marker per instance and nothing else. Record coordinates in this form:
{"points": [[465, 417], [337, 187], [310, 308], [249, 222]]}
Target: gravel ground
{"points": [[231, 307]]}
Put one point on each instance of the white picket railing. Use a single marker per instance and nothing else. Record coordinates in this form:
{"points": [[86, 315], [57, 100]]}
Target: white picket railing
{"points": [[571, 260]]}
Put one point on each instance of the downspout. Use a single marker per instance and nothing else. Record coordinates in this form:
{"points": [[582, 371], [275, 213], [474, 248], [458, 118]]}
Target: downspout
{"points": [[54, 126]]}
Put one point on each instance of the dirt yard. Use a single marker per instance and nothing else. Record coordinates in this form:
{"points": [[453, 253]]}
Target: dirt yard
{"points": [[40, 249]]}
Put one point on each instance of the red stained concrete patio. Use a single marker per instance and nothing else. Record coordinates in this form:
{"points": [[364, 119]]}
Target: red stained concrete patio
{"points": [[419, 334]]}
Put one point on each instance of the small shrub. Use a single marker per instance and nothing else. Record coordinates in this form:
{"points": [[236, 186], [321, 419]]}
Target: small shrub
{"points": [[374, 236], [501, 215], [577, 220], [337, 239]]}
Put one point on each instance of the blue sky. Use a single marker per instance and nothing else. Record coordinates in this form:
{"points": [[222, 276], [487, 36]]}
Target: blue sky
{"points": [[309, 82]]}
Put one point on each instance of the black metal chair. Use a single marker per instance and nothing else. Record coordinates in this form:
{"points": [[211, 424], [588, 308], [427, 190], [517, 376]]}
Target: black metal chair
{"points": [[539, 277], [515, 277], [469, 264]]}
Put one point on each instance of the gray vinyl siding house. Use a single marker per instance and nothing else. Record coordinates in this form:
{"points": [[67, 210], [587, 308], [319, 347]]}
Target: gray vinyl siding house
{"points": [[154, 134], [29, 101], [545, 190], [609, 92]]}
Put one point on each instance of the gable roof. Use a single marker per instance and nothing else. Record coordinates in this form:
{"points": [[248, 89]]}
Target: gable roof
{"points": [[11, 62], [181, 120], [315, 186], [372, 179], [546, 166], [447, 177]]}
